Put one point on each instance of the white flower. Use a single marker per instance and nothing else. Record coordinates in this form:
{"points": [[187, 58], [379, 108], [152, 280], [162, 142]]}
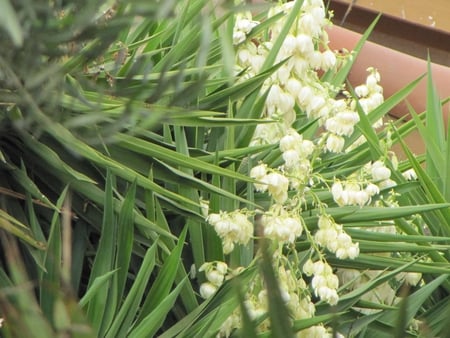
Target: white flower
{"points": [[231, 228], [222, 267], [372, 189], [305, 44], [290, 141], [325, 222], [315, 103], [306, 148], [335, 143], [328, 60], [352, 251], [318, 12], [336, 189], [283, 229], [305, 95], [294, 226], [227, 245], [293, 86], [215, 277], [325, 283], [380, 172], [328, 295], [245, 25], [343, 123], [376, 99], [283, 74], [315, 59], [410, 175], [372, 80], [207, 290], [362, 91], [289, 44], [267, 133], [238, 37], [245, 228], [291, 158], [361, 197], [308, 267], [286, 103], [213, 218], [214, 272], [258, 173], [257, 62], [387, 184], [314, 332], [277, 186], [244, 56], [298, 65], [308, 24], [273, 98]]}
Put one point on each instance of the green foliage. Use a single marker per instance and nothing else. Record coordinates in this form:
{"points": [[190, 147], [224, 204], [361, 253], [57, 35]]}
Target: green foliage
{"points": [[117, 120]]}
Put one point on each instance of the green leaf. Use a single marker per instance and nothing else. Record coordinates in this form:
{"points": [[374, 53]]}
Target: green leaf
{"points": [[103, 262], [222, 98], [51, 278], [164, 281], [46, 154], [10, 22], [131, 305], [97, 285], [154, 320], [169, 156], [414, 303], [125, 239], [365, 261], [15, 227]]}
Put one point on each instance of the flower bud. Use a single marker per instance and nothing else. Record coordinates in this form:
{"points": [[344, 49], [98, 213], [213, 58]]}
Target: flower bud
{"points": [[335, 143], [308, 267], [207, 290], [214, 277], [328, 60], [305, 44], [380, 172]]}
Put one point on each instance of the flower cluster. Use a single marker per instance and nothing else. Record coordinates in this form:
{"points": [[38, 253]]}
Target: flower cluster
{"points": [[296, 82], [353, 193], [381, 175], [370, 94], [324, 281], [295, 294], [272, 181], [296, 153], [232, 227], [244, 24], [333, 237], [294, 93], [281, 226], [215, 273], [359, 190]]}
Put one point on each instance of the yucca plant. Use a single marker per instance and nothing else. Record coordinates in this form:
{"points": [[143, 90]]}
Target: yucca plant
{"points": [[130, 134]]}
